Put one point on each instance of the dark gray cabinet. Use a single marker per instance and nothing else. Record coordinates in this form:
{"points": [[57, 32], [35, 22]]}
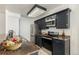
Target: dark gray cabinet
{"points": [[46, 43], [62, 19], [58, 47], [37, 22], [41, 23], [37, 28], [61, 47], [38, 40]]}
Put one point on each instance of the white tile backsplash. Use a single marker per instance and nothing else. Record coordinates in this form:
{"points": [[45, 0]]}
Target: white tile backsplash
{"points": [[67, 31]]}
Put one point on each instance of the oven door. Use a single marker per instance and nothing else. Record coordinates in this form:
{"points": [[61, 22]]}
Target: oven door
{"points": [[46, 43]]}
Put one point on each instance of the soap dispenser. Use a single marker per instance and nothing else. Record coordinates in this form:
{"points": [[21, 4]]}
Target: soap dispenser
{"points": [[63, 34]]}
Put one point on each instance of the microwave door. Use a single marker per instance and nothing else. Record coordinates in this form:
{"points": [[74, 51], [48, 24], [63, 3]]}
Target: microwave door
{"points": [[50, 23], [53, 23]]}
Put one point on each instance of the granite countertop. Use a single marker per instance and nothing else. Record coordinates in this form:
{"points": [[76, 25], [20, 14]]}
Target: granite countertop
{"points": [[59, 37], [23, 50]]}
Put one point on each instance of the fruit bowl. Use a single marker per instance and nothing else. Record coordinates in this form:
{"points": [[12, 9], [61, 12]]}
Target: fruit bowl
{"points": [[12, 43], [14, 47]]}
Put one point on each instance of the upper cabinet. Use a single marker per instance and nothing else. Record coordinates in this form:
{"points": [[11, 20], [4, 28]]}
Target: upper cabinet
{"points": [[41, 23], [62, 19]]}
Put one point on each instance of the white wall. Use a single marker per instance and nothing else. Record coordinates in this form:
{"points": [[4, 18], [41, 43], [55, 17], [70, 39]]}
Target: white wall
{"points": [[73, 31], [25, 28], [2, 26], [12, 22], [21, 25], [2, 23]]}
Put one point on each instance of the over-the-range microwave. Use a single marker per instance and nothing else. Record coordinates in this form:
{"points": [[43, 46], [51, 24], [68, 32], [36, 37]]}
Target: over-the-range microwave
{"points": [[50, 21]]}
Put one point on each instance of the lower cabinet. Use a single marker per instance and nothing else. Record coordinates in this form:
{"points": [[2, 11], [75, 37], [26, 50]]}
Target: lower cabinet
{"points": [[58, 47], [38, 41], [61, 47]]}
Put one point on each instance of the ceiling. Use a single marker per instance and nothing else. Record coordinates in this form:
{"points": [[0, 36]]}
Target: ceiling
{"points": [[24, 8]]}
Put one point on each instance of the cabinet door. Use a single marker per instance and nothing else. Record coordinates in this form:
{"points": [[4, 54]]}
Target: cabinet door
{"points": [[37, 29], [62, 19], [38, 41], [39, 23], [46, 43], [42, 23], [58, 47]]}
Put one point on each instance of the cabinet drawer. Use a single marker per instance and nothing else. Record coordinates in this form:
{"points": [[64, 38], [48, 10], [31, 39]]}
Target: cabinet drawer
{"points": [[58, 42]]}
